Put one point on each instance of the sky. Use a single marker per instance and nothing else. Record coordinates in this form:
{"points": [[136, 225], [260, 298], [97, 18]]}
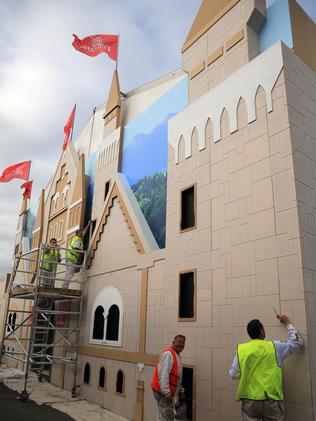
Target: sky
{"points": [[42, 76]]}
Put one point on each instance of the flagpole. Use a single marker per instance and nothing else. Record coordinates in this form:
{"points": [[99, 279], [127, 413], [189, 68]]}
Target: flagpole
{"points": [[91, 131], [118, 51], [73, 124]]}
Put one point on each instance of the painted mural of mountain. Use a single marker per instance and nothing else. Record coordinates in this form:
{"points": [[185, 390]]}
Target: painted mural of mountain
{"points": [[151, 195], [147, 154]]}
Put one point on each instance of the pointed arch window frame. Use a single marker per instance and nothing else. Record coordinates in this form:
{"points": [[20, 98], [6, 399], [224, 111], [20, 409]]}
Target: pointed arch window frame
{"points": [[106, 298]]}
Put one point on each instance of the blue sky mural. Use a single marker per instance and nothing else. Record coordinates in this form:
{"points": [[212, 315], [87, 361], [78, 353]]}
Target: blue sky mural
{"points": [[145, 155], [90, 168], [145, 147]]}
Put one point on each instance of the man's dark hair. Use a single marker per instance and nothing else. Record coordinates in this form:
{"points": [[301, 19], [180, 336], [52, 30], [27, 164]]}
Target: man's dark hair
{"points": [[179, 336], [254, 328], [53, 239]]}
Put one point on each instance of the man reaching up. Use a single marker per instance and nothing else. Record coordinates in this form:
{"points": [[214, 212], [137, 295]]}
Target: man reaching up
{"points": [[258, 367]]}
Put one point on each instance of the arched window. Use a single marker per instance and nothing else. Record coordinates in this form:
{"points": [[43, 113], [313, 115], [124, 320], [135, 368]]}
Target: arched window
{"points": [[120, 382], [113, 323], [102, 378], [98, 324], [13, 320], [50, 233], [55, 203], [86, 375], [107, 318], [64, 195]]}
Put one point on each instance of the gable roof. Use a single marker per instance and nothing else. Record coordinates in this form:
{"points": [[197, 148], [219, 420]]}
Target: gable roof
{"points": [[142, 236]]}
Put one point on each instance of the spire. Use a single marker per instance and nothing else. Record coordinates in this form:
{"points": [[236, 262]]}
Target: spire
{"points": [[114, 100], [23, 206], [209, 13]]}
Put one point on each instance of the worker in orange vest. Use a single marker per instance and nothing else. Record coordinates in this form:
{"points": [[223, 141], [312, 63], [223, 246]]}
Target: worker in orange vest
{"points": [[166, 383]]}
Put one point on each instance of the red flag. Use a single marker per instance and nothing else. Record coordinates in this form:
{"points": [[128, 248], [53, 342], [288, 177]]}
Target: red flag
{"points": [[21, 170], [68, 126], [96, 44], [28, 189]]}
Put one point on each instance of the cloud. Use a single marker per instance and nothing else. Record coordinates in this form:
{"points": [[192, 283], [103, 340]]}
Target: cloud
{"points": [[42, 76]]}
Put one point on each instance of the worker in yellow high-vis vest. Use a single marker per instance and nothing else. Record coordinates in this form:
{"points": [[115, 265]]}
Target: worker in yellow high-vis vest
{"points": [[49, 260], [258, 367], [73, 255]]}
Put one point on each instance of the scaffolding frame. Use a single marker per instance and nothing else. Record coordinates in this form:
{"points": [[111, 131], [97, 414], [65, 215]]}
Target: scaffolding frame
{"points": [[36, 350]]}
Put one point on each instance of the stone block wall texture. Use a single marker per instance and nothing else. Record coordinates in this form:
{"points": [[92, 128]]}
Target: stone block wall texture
{"points": [[300, 82], [246, 249], [107, 397], [118, 264], [112, 267]]}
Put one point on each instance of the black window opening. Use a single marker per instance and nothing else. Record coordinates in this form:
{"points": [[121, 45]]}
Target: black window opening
{"points": [[187, 384], [106, 189], [186, 295], [102, 378], [9, 323], [98, 323], [86, 375], [113, 322], [120, 382], [188, 208], [13, 320]]}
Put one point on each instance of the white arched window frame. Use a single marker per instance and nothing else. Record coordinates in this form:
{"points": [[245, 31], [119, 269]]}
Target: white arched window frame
{"points": [[55, 203], [106, 298], [64, 195]]}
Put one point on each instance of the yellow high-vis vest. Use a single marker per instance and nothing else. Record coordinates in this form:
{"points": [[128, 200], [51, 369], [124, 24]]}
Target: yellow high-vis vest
{"points": [[73, 255], [47, 260], [260, 375]]}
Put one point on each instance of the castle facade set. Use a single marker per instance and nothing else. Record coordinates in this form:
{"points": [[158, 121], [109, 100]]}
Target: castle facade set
{"points": [[201, 189]]}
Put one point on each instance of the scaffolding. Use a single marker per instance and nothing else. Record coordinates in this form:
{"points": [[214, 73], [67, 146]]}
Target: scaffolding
{"points": [[52, 320]]}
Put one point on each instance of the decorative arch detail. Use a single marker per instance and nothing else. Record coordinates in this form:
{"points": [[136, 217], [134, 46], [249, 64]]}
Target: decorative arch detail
{"points": [[107, 318], [263, 71]]}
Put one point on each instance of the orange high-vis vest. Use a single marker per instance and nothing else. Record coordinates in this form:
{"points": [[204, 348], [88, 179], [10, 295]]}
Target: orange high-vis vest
{"points": [[173, 375]]}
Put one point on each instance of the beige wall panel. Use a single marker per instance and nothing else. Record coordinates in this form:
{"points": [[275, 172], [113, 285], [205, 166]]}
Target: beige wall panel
{"points": [[302, 100], [116, 241], [231, 31]]}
